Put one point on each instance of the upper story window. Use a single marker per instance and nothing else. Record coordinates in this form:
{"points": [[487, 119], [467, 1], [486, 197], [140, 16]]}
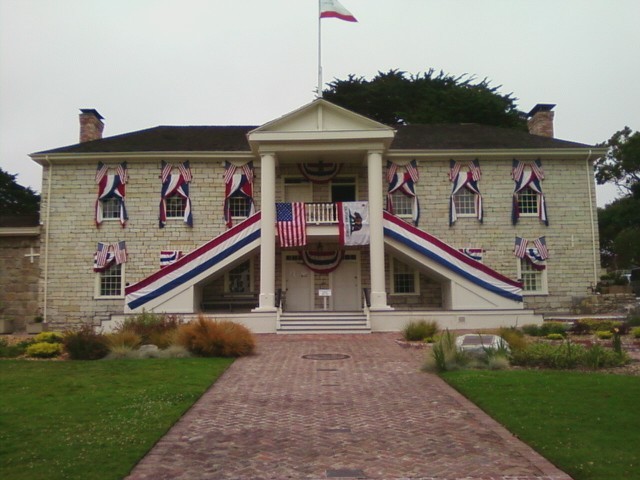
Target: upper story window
{"points": [[402, 204], [110, 208], [239, 206], [175, 206], [465, 202], [528, 202]]}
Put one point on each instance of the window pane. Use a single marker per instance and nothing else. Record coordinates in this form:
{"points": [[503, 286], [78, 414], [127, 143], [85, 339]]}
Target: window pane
{"points": [[404, 280], [531, 278], [528, 202], [110, 208], [111, 281], [175, 207], [240, 278], [402, 205], [238, 206], [465, 201]]}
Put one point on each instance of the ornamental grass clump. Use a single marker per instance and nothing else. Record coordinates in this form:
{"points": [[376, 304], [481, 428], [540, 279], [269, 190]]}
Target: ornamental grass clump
{"points": [[210, 338], [445, 356], [418, 331], [150, 326]]}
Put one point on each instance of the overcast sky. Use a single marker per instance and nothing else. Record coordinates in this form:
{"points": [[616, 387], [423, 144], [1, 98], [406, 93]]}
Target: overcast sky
{"points": [[143, 63]]}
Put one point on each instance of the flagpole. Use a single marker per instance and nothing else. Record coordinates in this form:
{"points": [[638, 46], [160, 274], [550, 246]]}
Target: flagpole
{"points": [[319, 93]]}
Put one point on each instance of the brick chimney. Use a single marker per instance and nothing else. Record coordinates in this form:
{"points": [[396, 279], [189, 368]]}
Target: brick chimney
{"points": [[91, 125], [541, 120]]}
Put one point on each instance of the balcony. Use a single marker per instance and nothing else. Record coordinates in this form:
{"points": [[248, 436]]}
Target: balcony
{"points": [[321, 213]]}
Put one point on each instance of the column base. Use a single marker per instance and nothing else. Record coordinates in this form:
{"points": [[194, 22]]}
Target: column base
{"points": [[266, 303], [379, 301]]}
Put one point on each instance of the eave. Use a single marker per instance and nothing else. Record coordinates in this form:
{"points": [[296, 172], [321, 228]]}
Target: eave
{"points": [[500, 153], [45, 159]]}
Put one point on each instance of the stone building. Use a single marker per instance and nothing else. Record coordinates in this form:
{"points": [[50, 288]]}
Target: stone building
{"points": [[320, 219]]}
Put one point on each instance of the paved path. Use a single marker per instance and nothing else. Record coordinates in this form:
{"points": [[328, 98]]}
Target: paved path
{"points": [[374, 415]]}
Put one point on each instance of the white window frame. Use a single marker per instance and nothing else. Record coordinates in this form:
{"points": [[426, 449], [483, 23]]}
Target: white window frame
{"points": [[171, 210], [416, 278], [402, 205], [529, 193], [227, 280], [468, 194], [98, 283], [233, 204], [524, 270], [110, 209]]}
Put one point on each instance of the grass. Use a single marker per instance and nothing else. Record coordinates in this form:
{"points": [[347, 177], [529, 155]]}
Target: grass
{"points": [[92, 419], [587, 424]]}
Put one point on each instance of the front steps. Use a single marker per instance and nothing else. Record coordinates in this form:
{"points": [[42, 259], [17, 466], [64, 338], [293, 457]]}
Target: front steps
{"points": [[323, 322]]}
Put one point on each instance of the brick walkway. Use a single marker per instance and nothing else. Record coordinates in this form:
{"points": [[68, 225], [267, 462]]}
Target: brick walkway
{"points": [[373, 415]]}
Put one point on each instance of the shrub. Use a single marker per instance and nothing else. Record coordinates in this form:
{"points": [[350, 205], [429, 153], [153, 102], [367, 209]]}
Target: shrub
{"points": [[635, 332], [121, 351], [567, 355], [420, 330], [591, 325], [209, 338], [498, 362], [85, 344], [44, 350], [604, 335], [552, 327], [147, 324], [125, 339], [633, 319], [514, 338], [532, 330], [164, 339], [48, 337], [555, 336], [13, 350]]}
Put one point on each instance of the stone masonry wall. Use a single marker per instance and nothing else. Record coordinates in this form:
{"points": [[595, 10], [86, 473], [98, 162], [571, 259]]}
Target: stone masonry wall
{"points": [[19, 280], [73, 235]]}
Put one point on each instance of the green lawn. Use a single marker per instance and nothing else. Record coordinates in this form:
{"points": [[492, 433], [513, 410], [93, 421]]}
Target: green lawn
{"points": [[588, 424], [92, 420]]}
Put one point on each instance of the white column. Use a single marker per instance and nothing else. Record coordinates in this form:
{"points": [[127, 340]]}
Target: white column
{"points": [[268, 233], [376, 246]]}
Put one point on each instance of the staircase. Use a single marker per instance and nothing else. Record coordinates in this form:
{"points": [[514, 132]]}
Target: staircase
{"points": [[323, 322]]}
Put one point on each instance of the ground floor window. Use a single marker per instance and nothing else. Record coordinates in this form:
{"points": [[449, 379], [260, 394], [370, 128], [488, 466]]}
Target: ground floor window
{"points": [[533, 281], [404, 278], [238, 279], [110, 282]]}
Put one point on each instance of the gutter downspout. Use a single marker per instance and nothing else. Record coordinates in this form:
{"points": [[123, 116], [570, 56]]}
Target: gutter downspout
{"points": [[593, 227], [46, 243]]}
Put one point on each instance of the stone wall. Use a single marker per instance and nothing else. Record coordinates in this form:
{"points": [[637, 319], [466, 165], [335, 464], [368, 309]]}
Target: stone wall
{"points": [[19, 279], [73, 235]]}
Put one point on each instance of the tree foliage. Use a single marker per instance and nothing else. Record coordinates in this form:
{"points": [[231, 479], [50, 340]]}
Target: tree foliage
{"points": [[396, 97], [619, 222], [16, 199], [621, 164]]}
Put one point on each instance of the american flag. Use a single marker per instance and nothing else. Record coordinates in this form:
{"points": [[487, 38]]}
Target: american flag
{"points": [[121, 171], [102, 254], [120, 251], [291, 224], [520, 249], [101, 171], [474, 168], [541, 245], [185, 171], [166, 171]]}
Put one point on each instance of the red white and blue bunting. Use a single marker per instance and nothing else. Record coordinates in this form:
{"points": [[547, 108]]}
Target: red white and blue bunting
{"points": [[175, 185], [321, 261], [528, 175], [535, 255], [167, 257], [111, 186], [403, 178], [238, 182], [474, 253], [468, 180], [319, 172], [108, 254]]}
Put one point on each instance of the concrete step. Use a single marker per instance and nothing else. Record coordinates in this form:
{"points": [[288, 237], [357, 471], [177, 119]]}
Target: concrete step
{"points": [[323, 322]]}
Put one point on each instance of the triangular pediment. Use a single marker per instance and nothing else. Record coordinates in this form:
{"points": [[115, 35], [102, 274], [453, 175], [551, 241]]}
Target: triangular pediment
{"points": [[321, 121]]}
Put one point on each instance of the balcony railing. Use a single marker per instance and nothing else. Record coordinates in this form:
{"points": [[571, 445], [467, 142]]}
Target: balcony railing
{"points": [[321, 213]]}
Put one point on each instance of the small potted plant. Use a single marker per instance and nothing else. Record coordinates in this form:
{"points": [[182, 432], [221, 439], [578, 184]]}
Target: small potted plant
{"points": [[35, 326]]}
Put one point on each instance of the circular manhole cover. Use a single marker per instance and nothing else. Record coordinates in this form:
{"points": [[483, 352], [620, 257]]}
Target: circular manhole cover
{"points": [[325, 356]]}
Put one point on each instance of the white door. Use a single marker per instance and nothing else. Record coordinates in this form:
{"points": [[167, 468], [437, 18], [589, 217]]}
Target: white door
{"points": [[299, 286], [345, 284], [298, 192]]}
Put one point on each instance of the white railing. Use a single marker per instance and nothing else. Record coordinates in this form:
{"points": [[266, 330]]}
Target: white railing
{"points": [[321, 213]]}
